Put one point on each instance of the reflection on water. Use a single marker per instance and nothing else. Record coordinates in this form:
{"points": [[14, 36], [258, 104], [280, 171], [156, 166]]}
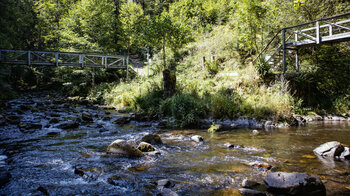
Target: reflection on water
{"points": [[48, 157]]}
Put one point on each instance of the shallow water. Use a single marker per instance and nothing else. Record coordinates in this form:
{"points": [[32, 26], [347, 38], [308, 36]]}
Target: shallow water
{"points": [[48, 157]]}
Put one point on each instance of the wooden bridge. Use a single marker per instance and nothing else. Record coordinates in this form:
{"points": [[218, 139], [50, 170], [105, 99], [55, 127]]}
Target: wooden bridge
{"points": [[288, 41], [41, 58]]}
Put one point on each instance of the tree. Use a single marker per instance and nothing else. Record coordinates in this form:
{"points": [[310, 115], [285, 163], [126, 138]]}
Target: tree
{"points": [[89, 26], [16, 24], [167, 33], [130, 19], [48, 15]]}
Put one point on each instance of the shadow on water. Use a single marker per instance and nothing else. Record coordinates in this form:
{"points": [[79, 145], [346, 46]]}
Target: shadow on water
{"points": [[74, 161]]}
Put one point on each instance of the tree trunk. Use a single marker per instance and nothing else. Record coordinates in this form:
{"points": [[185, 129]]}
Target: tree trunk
{"points": [[169, 82], [164, 57], [169, 78], [116, 26]]}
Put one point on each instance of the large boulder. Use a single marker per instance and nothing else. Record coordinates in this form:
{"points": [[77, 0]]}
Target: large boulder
{"points": [[329, 149], [152, 139], [294, 184], [124, 148]]}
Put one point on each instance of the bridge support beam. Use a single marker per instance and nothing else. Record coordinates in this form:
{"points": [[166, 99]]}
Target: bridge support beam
{"points": [[29, 58], [284, 51], [318, 34], [127, 67], [296, 61], [56, 59]]}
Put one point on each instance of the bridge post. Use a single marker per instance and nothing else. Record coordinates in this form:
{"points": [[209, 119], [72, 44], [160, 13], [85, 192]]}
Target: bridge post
{"points": [[284, 50], [29, 52], [106, 62], [127, 67], [56, 58], [318, 36], [296, 61]]}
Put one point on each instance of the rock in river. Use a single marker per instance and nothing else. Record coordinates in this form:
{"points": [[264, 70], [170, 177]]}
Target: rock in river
{"points": [[152, 139], [15, 120], [145, 147], [124, 149], [164, 183], [283, 183], [54, 120], [249, 183], [329, 149], [251, 192], [24, 125], [123, 120], [69, 125], [4, 177], [86, 117], [345, 154], [197, 138]]}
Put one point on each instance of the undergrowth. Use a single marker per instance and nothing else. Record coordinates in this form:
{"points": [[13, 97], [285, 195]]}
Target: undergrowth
{"points": [[221, 89]]}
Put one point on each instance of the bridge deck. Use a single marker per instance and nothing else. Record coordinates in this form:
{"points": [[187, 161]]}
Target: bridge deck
{"points": [[324, 40], [41, 58]]}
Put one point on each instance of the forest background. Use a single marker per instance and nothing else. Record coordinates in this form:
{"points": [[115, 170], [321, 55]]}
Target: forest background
{"points": [[178, 34]]}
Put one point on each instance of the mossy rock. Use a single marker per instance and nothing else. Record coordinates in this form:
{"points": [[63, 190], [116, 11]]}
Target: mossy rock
{"points": [[145, 147], [152, 139], [215, 127], [123, 148]]}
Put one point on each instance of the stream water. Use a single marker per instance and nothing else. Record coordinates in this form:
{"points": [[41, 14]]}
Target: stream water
{"points": [[44, 161]]}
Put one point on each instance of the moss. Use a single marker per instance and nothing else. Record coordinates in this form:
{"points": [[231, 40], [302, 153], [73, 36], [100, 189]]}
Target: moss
{"points": [[214, 128]]}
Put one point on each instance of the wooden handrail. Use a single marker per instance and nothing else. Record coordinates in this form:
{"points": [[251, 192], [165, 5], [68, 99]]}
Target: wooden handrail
{"points": [[267, 46]]}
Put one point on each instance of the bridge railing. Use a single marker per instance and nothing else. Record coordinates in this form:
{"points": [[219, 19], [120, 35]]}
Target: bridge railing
{"points": [[22, 57], [322, 30], [287, 40]]}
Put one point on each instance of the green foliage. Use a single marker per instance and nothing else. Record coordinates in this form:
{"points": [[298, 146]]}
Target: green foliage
{"points": [[89, 26], [342, 105], [225, 104], [16, 24], [149, 103], [212, 68], [298, 3], [214, 127], [185, 109], [130, 19], [232, 31], [200, 15], [263, 68]]}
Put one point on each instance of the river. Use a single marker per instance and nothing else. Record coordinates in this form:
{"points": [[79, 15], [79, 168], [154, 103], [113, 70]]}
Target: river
{"points": [[46, 160]]}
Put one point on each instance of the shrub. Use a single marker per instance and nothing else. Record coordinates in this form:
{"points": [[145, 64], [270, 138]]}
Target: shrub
{"points": [[212, 68], [149, 103], [184, 109], [224, 105]]}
